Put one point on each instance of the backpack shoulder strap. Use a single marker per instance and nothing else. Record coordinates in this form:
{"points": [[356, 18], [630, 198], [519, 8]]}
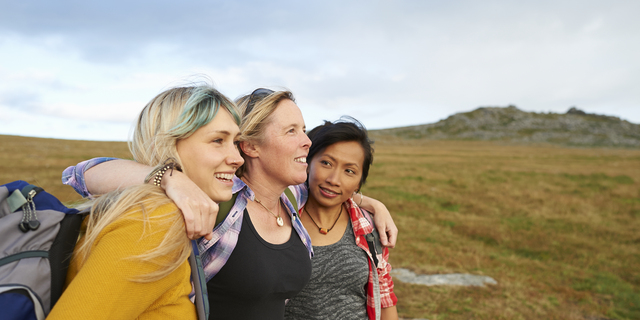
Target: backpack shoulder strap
{"points": [[291, 198], [373, 238], [224, 208], [199, 282]]}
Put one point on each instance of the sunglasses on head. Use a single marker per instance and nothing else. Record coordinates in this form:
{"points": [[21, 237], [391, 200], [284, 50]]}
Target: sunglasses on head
{"points": [[256, 95]]}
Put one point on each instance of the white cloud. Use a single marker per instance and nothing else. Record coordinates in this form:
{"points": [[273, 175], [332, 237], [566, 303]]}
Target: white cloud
{"points": [[26, 123], [388, 63]]}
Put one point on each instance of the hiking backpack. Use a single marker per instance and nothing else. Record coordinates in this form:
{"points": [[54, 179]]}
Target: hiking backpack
{"points": [[37, 237]]}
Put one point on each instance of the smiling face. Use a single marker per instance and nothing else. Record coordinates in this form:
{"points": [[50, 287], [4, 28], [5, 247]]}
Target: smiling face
{"points": [[283, 151], [335, 173], [210, 156]]}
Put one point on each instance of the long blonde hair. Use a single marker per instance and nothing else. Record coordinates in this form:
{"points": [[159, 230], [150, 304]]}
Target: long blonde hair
{"points": [[172, 115]]}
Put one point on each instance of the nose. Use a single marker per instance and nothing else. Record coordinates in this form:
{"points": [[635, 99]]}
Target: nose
{"points": [[234, 158], [334, 177], [306, 142]]}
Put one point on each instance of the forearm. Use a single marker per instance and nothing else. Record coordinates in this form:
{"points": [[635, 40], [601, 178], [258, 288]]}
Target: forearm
{"points": [[390, 313], [369, 204], [96, 176], [114, 175]]}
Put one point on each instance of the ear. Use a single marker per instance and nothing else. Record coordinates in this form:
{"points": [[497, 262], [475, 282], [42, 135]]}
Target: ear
{"points": [[250, 149]]}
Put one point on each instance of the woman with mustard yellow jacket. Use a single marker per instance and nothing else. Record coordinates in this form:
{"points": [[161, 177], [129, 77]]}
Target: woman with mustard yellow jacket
{"points": [[132, 262]]}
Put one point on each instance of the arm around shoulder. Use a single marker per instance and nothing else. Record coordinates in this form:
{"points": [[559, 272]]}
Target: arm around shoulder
{"points": [[115, 175], [103, 175]]}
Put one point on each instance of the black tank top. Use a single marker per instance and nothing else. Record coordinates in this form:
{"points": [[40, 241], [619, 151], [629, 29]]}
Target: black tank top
{"points": [[259, 276]]}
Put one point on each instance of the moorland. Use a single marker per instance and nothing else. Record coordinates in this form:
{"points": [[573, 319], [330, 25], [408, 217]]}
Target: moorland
{"points": [[557, 227]]}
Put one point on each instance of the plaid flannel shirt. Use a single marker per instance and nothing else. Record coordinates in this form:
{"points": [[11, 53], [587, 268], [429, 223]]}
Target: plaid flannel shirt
{"points": [[362, 227], [74, 175]]}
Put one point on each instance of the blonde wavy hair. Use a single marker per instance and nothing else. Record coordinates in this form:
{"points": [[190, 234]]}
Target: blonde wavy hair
{"points": [[172, 115], [256, 110]]}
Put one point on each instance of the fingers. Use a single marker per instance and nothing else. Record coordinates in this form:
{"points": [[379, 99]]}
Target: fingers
{"points": [[392, 237], [198, 209], [199, 216], [205, 220], [204, 212], [189, 221], [198, 221], [209, 219], [388, 234], [383, 236]]}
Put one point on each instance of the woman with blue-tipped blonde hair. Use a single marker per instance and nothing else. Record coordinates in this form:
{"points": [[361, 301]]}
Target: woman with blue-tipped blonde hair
{"points": [[132, 261]]}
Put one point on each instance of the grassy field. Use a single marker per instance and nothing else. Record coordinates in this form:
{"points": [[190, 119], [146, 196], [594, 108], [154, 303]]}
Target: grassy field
{"points": [[558, 228], [41, 161]]}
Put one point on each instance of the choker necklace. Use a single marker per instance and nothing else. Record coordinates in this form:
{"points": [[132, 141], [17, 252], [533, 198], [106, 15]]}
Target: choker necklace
{"points": [[323, 230], [279, 220]]}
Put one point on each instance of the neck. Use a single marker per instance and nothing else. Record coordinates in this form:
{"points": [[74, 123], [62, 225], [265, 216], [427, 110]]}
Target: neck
{"points": [[321, 214], [264, 191]]}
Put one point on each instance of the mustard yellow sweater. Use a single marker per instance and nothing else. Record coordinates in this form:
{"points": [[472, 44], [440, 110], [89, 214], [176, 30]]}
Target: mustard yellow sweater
{"points": [[102, 287]]}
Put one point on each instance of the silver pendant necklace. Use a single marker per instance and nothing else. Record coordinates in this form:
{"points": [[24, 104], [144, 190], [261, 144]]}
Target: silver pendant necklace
{"points": [[279, 219]]}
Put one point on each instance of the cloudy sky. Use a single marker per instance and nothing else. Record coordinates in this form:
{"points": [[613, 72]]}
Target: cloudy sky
{"points": [[84, 69]]}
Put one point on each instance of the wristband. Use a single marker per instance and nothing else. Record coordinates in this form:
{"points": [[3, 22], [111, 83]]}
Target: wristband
{"points": [[158, 173]]}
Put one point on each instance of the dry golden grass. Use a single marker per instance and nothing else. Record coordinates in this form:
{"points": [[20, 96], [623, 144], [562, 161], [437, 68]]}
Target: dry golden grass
{"points": [[41, 161], [558, 228]]}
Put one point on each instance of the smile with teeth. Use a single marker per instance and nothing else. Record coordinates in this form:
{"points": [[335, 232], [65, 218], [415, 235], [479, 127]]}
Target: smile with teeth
{"points": [[224, 176], [301, 159], [329, 191]]}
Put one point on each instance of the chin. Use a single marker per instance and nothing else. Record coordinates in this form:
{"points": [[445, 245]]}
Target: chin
{"points": [[299, 180], [221, 196], [325, 202]]}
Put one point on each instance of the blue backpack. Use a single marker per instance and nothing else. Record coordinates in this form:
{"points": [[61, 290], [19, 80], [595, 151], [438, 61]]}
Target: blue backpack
{"points": [[37, 237]]}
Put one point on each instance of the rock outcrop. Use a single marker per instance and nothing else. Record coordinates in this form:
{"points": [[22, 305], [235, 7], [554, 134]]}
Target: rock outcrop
{"points": [[454, 279], [576, 128]]}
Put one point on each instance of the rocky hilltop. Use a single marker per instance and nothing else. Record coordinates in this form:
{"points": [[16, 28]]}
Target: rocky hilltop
{"points": [[575, 128]]}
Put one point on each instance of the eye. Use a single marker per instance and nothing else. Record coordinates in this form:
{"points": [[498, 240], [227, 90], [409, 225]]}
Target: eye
{"points": [[236, 143], [350, 171], [325, 162], [217, 140], [292, 130]]}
